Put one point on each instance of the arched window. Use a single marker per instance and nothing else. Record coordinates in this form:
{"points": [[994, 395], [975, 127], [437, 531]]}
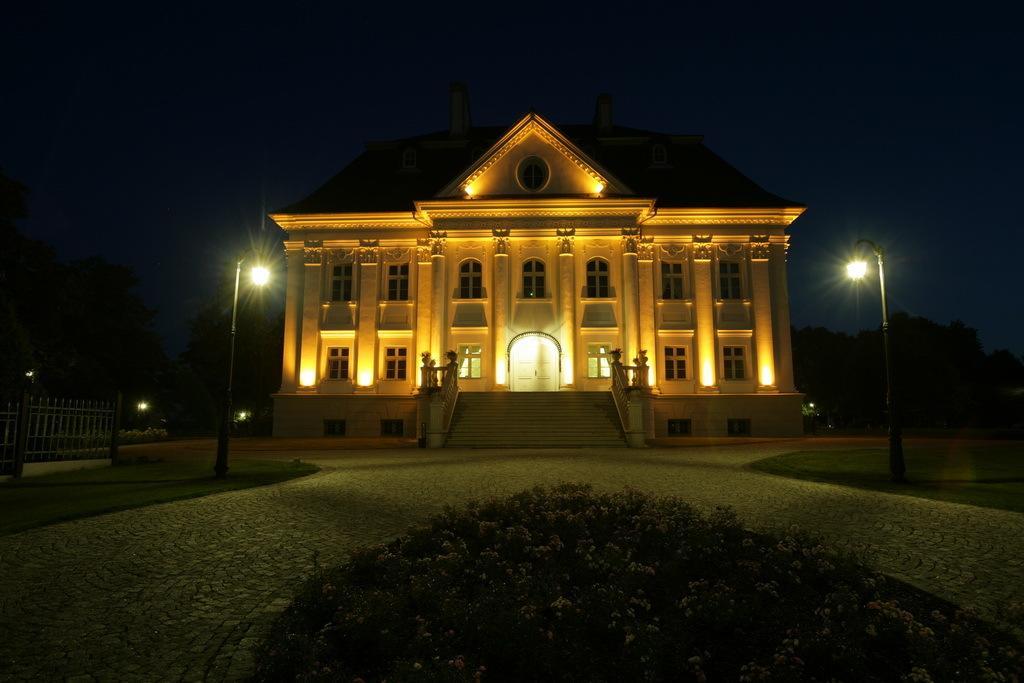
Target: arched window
{"points": [[409, 158], [659, 155], [471, 280], [533, 279], [597, 278]]}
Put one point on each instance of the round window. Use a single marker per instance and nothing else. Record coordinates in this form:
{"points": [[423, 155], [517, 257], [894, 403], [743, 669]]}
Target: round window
{"points": [[533, 173]]}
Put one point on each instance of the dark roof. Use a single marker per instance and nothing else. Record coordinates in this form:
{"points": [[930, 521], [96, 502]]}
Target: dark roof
{"points": [[694, 176]]}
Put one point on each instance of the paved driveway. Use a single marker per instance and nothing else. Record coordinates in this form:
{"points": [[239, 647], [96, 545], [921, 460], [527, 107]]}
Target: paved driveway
{"points": [[184, 590]]}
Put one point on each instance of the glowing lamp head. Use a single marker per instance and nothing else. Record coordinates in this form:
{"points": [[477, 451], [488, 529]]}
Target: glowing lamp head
{"points": [[855, 270], [142, 406], [30, 373], [260, 275], [307, 378], [598, 187], [242, 415], [468, 189], [365, 378]]}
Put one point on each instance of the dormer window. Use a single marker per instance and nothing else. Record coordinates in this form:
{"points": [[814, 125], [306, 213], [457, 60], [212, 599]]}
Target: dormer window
{"points": [[659, 155], [533, 174], [409, 158]]}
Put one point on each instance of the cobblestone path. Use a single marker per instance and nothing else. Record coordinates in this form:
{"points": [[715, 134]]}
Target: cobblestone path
{"points": [[184, 590]]}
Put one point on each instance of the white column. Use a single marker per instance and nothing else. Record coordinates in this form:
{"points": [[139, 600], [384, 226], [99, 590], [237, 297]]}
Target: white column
{"points": [[703, 302], [423, 303], [567, 304], [366, 334], [761, 295], [500, 298], [292, 320], [312, 270], [630, 304], [780, 311], [648, 339], [438, 307]]}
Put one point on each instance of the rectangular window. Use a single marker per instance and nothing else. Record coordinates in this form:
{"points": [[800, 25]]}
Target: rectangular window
{"points": [[729, 280], [341, 282], [679, 427], [675, 362], [598, 365], [733, 363], [738, 426], [392, 427], [398, 282], [671, 280], [334, 428], [337, 362], [395, 358], [470, 361]]}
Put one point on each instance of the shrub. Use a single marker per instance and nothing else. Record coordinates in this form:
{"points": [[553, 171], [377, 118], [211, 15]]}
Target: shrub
{"points": [[568, 584], [148, 435]]}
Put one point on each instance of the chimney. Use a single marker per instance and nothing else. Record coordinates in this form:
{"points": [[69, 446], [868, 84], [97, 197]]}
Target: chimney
{"points": [[458, 112], [603, 114]]}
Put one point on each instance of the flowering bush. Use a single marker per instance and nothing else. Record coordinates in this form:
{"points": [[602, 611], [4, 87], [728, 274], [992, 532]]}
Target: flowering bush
{"points": [[568, 584]]}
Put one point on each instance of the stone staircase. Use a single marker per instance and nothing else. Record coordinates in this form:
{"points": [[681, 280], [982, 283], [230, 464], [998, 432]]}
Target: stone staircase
{"points": [[542, 419]]}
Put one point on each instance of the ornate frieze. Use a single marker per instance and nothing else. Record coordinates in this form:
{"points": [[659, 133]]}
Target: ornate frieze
{"points": [[437, 242], [313, 251], [501, 239], [396, 254], [702, 248], [565, 237], [673, 250], [368, 251], [730, 249], [759, 247], [341, 255]]}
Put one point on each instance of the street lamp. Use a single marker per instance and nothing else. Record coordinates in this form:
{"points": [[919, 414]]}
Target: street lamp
{"points": [[259, 275], [856, 270]]}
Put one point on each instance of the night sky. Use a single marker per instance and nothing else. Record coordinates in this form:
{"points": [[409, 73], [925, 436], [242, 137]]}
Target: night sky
{"points": [[159, 138]]}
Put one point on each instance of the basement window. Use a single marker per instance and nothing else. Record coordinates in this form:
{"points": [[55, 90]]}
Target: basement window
{"points": [[738, 426], [392, 427], [679, 427], [334, 428]]}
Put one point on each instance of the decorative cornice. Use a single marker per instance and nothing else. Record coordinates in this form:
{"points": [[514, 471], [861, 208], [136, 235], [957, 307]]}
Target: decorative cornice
{"points": [[717, 216]]}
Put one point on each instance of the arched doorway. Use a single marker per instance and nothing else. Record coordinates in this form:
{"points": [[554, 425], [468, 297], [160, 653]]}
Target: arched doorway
{"points": [[533, 357]]}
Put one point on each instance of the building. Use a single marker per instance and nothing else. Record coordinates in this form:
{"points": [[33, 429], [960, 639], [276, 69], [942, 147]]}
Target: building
{"points": [[533, 252]]}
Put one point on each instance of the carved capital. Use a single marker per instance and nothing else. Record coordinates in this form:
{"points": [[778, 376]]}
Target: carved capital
{"points": [[630, 240], [759, 248], [702, 248], [368, 251], [423, 251], [437, 240], [645, 249], [501, 240], [566, 237], [313, 252]]}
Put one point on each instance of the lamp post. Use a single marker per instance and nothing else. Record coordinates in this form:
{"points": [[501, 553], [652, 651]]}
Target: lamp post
{"points": [[856, 270], [260, 276]]}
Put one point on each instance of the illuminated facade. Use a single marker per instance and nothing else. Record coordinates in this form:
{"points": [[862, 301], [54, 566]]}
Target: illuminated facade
{"points": [[533, 251]]}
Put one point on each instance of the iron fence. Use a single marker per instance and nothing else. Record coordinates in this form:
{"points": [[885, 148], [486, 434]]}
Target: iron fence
{"points": [[45, 429]]}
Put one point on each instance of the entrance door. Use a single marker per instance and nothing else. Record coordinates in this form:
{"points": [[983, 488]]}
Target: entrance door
{"points": [[534, 365]]}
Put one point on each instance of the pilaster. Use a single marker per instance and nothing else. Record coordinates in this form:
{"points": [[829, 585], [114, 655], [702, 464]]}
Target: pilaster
{"points": [[423, 299], [567, 303], [312, 272], [704, 304], [630, 302], [366, 332], [648, 341], [780, 310], [439, 285], [500, 299], [761, 294], [292, 320]]}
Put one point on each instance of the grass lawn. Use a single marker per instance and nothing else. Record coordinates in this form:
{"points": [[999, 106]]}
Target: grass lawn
{"points": [[37, 501], [983, 475]]}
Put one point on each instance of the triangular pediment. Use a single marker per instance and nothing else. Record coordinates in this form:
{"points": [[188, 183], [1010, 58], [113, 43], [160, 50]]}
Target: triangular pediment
{"points": [[565, 170]]}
